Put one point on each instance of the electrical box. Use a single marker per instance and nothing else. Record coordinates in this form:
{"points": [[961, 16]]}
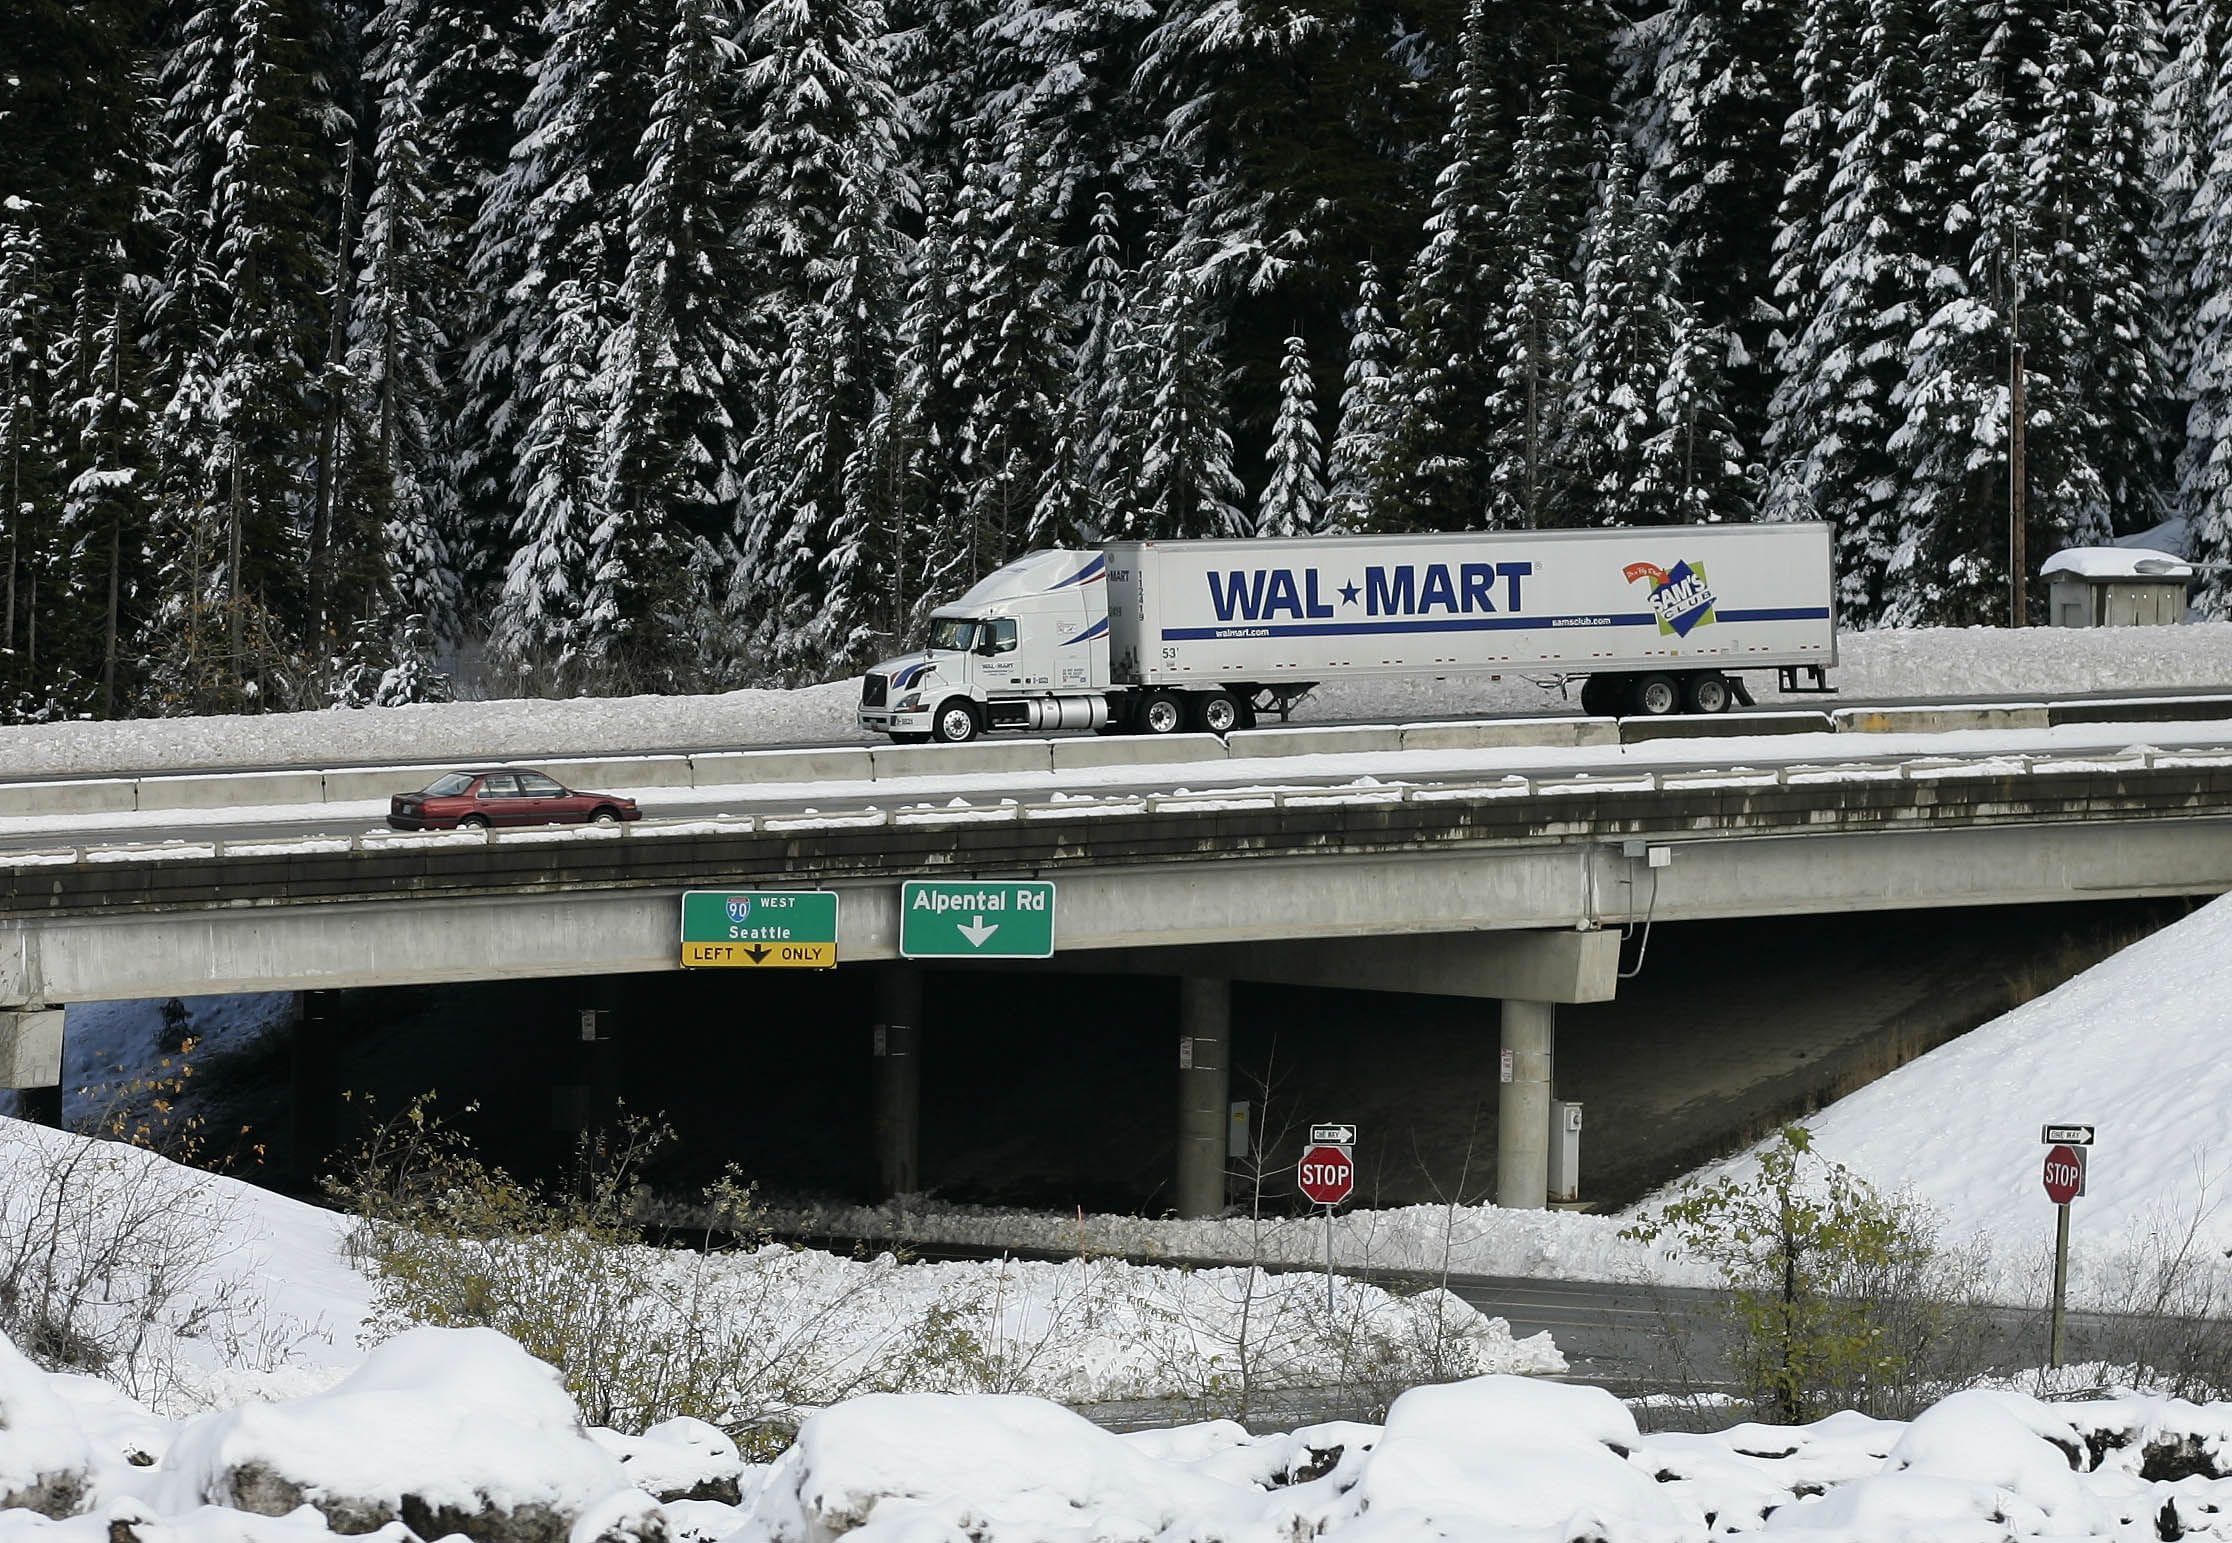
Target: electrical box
{"points": [[1565, 1151]]}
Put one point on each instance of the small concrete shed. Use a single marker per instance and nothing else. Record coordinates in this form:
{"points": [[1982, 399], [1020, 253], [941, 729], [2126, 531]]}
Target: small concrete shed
{"points": [[2116, 586]]}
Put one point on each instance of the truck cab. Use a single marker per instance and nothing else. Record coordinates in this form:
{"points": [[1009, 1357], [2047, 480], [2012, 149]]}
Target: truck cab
{"points": [[1026, 648]]}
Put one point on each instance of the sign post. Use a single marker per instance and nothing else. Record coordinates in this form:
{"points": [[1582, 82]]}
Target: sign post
{"points": [[2064, 1176], [1327, 1177]]}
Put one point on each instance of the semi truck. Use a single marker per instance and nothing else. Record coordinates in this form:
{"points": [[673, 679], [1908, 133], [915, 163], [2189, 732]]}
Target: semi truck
{"points": [[1159, 637]]}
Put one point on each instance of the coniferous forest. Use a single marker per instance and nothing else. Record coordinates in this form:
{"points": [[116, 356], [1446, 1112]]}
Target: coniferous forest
{"points": [[644, 345]]}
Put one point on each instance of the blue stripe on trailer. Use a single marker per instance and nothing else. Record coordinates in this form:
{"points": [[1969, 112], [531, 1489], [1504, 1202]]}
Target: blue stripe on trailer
{"points": [[1240, 629]]}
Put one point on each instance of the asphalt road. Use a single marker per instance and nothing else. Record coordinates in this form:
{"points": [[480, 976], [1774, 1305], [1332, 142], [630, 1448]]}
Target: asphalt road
{"points": [[1673, 755]]}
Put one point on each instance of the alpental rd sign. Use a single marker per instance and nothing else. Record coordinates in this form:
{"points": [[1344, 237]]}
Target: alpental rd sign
{"points": [[976, 919], [761, 929]]}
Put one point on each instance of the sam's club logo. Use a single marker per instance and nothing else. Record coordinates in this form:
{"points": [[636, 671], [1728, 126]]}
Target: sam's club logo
{"points": [[740, 908], [1680, 598]]}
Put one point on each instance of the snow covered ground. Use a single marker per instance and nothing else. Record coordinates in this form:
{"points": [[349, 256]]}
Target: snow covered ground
{"points": [[1921, 662], [445, 1430], [259, 1296]]}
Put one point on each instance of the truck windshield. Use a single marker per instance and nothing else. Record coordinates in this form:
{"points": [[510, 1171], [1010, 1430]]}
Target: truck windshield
{"points": [[952, 634]]}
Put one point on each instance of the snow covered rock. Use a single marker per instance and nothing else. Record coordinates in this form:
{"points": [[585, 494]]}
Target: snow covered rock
{"points": [[446, 1430], [1512, 1457], [681, 1459], [992, 1467], [46, 1462]]}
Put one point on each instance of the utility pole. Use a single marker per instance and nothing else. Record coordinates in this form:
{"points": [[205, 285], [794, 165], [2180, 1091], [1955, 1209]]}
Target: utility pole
{"points": [[2018, 561]]}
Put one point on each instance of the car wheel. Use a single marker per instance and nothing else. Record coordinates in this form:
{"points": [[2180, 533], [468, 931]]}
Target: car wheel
{"points": [[956, 722], [605, 816], [473, 822], [1706, 693], [1658, 695], [1216, 712], [1162, 713]]}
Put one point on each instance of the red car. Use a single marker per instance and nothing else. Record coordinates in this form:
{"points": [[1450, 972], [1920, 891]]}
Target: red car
{"points": [[507, 795]]}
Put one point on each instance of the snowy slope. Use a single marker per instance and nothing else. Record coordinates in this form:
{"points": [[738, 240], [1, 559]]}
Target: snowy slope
{"points": [[1920, 662], [2134, 1046]]}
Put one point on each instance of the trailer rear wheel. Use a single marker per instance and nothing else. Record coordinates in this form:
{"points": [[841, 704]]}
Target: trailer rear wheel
{"points": [[957, 722], [1161, 712], [1706, 692], [1657, 695], [1215, 712], [1600, 696]]}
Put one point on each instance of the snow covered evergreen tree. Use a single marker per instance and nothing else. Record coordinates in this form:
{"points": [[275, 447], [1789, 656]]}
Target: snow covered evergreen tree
{"points": [[1367, 410], [400, 355], [1714, 86], [556, 216], [1294, 494], [1436, 475], [1187, 484], [858, 621], [104, 515], [1533, 341], [820, 103], [537, 633], [1834, 412], [1010, 349], [1623, 355], [2204, 474]]}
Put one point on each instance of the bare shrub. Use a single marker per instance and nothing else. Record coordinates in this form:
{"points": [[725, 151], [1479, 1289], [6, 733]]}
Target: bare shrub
{"points": [[112, 1256]]}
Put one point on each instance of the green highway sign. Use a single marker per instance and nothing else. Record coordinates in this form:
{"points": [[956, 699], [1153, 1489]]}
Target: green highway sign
{"points": [[759, 929], [972, 919]]}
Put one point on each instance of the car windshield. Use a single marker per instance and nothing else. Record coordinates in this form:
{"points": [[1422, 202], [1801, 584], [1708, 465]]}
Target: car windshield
{"points": [[449, 786], [955, 634]]}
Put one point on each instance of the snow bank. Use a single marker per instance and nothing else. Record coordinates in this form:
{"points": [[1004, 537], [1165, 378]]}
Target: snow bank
{"points": [[2133, 1046], [1498, 1459], [1412, 1240], [1918, 662], [459, 1430]]}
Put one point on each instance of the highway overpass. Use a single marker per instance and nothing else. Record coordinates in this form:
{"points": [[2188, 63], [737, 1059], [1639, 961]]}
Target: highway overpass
{"points": [[1513, 888]]}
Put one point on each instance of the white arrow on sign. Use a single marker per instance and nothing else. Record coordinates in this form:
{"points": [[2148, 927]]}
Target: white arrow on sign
{"points": [[977, 932]]}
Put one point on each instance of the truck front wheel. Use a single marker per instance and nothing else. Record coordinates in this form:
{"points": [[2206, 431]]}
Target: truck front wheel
{"points": [[957, 722], [1657, 695], [1161, 713]]}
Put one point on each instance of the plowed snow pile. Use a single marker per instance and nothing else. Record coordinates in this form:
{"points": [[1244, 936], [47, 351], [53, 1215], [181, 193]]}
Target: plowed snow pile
{"points": [[1936, 661]]}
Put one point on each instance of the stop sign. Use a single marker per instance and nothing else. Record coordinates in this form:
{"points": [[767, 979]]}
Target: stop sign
{"points": [[2065, 1174], [1327, 1174]]}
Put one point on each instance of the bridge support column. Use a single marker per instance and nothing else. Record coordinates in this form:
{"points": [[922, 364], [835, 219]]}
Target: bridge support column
{"points": [[898, 1051], [314, 1074], [31, 1062], [1204, 1092], [1523, 1107]]}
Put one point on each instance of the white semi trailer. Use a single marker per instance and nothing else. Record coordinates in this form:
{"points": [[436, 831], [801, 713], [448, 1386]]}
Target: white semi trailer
{"points": [[1154, 637]]}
